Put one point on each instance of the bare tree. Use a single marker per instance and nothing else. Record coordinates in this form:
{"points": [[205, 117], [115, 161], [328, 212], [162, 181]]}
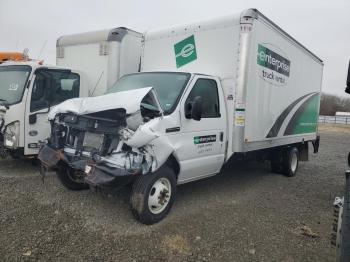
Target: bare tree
{"points": [[330, 104]]}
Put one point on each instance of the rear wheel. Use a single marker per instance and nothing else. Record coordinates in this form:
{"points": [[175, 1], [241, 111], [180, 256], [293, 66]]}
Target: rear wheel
{"points": [[153, 195], [290, 161], [71, 178]]}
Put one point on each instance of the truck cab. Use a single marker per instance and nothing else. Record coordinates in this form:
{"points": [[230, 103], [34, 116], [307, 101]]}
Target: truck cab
{"points": [[28, 91], [87, 63], [190, 116]]}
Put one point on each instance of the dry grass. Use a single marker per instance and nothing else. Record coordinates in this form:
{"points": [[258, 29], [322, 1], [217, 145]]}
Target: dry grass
{"points": [[176, 244], [334, 128]]}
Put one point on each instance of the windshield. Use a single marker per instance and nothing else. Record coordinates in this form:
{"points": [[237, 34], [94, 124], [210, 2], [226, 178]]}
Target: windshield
{"points": [[169, 86], [12, 82]]}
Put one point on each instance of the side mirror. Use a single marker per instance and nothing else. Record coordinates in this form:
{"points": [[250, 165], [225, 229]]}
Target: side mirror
{"points": [[347, 89], [194, 109]]}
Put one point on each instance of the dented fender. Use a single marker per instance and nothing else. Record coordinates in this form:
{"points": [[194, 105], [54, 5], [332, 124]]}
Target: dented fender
{"points": [[150, 137]]}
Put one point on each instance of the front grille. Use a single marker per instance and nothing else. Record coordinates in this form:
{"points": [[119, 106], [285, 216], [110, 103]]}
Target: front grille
{"points": [[83, 135]]}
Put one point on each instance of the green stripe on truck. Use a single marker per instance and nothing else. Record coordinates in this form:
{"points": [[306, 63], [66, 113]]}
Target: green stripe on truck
{"points": [[305, 118]]}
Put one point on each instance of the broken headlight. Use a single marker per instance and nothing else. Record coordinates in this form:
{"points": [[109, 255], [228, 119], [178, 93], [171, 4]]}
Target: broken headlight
{"points": [[11, 136]]}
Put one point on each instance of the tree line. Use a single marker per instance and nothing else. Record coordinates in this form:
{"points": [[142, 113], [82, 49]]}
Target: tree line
{"points": [[330, 104]]}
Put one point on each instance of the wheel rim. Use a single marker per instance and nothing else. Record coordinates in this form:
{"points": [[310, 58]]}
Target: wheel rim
{"points": [[294, 162], [159, 195]]}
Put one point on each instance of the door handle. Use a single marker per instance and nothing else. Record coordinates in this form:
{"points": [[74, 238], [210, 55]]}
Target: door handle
{"points": [[221, 136]]}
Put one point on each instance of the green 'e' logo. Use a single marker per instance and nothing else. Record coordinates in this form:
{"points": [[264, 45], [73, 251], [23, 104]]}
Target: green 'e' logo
{"points": [[185, 51]]}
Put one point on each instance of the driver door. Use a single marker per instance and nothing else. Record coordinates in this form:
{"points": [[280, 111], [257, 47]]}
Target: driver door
{"points": [[49, 88], [203, 144]]}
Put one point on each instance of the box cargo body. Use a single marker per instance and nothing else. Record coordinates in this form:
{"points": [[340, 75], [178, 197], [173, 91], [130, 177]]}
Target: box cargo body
{"points": [[271, 82], [103, 56]]}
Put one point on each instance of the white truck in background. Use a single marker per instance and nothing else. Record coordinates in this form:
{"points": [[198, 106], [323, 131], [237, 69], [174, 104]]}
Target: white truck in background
{"points": [[207, 92], [87, 64], [103, 56]]}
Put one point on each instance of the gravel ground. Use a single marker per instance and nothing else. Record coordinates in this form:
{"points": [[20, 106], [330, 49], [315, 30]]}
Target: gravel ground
{"points": [[244, 214]]}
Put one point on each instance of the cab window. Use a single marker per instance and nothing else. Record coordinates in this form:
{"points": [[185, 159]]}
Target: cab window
{"points": [[208, 90], [52, 87]]}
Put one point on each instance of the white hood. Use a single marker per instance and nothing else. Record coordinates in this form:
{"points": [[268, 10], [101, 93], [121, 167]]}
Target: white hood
{"points": [[129, 100]]}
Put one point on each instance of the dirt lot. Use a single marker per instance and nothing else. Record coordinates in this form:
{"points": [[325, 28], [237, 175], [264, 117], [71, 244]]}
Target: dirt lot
{"points": [[244, 214]]}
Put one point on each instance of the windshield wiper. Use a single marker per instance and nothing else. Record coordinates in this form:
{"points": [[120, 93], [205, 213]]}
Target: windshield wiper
{"points": [[2, 99]]}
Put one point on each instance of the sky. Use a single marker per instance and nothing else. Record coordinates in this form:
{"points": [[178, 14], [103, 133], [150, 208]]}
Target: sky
{"points": [[323, 26]]}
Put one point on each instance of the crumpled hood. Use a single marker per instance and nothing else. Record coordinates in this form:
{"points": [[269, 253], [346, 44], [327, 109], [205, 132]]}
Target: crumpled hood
{"points": [[129, 100]]}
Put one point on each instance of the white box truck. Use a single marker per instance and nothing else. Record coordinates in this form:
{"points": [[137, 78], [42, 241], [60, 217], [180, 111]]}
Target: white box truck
{"points": [[87, 64], [207, 92]]}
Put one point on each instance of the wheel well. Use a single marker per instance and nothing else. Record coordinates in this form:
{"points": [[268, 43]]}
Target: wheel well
{"points": [[173, 164]]}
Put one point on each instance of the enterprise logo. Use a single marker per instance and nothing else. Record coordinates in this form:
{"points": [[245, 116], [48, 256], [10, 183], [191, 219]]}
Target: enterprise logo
{"points": [[273, 61], [185, 51]]}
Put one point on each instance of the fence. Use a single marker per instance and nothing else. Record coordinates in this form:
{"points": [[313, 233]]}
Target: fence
{"points": [[345, 120]]}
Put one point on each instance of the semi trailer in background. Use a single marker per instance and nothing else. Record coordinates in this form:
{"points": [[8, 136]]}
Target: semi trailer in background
{"points": [[234, 86], [87, 64]]}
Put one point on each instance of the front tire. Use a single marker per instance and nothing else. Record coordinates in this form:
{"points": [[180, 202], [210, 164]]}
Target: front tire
{"points": [[153, 195], [71, 178]]}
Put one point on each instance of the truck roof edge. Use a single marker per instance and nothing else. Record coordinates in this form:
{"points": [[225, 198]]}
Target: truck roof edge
{"points": [[255, 14]]}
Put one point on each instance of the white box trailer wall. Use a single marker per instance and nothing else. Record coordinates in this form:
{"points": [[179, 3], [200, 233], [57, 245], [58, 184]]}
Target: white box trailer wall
{"points": [[103, 56], [282, 91], [271, 82]]}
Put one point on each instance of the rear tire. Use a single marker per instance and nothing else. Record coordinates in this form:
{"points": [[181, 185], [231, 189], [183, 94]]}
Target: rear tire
{"points": [[290, 161], [71, 179], [153, 195]]}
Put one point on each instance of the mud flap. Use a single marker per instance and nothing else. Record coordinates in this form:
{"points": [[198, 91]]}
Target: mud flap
{"points": [[316, 144], [304, 152], [49, 157]]}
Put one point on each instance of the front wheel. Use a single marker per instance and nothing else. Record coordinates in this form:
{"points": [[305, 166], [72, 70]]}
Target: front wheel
{"points": [[71, 178], [153, 195]]}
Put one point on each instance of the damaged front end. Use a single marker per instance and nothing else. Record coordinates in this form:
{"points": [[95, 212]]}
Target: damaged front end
{"points": [[3, 151], [110, 147]]}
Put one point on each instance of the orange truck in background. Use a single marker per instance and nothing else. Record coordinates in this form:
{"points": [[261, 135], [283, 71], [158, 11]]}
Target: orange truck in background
{"points": [[13, 56]]}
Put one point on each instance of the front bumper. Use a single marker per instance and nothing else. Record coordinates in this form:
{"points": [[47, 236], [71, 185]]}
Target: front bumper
{"points": [[96, 146], [97, 174], [100, 176]]}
